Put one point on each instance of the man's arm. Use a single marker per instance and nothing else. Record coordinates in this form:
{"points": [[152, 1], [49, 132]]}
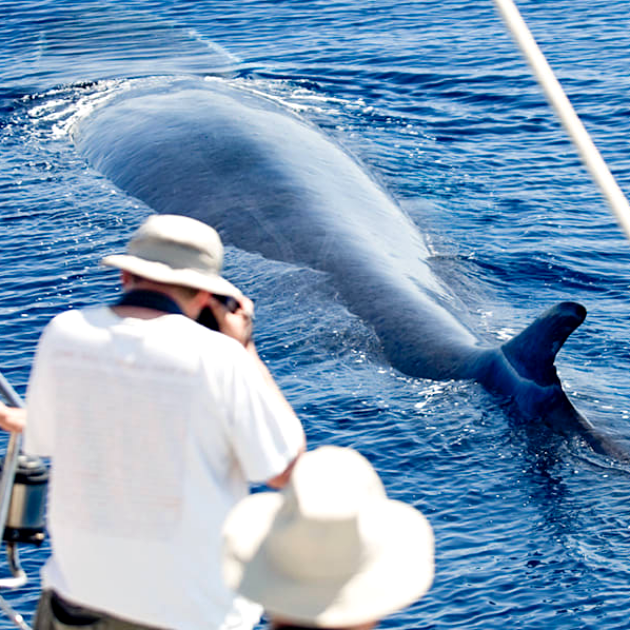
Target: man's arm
{"points": [[281, 480], [12, 418], [239, 325]]}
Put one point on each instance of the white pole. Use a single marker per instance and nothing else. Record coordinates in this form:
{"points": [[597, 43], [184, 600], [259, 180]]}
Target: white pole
{"points": [[558, 99]]}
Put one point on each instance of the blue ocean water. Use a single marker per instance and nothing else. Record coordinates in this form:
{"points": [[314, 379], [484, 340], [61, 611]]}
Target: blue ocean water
{"points": [[532, 529]]}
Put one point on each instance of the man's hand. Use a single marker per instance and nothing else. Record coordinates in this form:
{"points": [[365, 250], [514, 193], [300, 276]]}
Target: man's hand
{"points": [[238, 324], [12, 418]]}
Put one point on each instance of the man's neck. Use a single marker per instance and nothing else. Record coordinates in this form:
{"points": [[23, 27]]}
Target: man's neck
{"points": [[146, 303]]}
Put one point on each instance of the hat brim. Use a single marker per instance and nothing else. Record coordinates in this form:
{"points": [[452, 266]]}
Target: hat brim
{"points": [[159, 272], [397, 575]]}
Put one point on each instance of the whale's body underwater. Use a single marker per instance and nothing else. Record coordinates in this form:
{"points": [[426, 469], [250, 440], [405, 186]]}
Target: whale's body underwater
{"points": [[271, 183]]}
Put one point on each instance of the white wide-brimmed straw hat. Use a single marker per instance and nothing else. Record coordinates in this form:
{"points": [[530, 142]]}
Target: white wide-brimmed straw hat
{"points": [[178, 250], [330, 550]]}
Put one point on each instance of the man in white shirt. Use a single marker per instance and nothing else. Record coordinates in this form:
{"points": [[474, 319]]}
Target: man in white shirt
{"points": [[156, 426]]}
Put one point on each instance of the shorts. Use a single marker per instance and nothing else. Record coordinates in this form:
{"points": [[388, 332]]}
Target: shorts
{"points": [[55, 613]]}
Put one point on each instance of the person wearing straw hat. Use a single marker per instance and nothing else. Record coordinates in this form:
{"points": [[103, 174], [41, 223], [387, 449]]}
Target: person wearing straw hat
{"points": [[330, 550], [156, 426]]}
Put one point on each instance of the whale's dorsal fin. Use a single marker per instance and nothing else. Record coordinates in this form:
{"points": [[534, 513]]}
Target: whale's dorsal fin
{"points": [[532, 352]]}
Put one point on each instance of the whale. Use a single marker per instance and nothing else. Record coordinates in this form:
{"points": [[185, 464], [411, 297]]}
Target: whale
{"points": [[271, 182]]}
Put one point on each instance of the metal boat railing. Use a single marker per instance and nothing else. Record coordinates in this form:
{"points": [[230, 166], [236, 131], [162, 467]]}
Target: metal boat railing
{"points": [[19, 577]]}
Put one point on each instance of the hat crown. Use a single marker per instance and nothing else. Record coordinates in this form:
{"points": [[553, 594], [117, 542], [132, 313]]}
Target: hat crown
{"points": [[323, 530], [178, 242]]}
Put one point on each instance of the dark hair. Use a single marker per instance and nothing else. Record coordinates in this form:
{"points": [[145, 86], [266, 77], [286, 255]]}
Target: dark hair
{"points": [[183, 291]]}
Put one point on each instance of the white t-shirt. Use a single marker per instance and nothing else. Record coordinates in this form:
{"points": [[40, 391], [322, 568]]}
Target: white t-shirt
{"points": [[155, 428]]}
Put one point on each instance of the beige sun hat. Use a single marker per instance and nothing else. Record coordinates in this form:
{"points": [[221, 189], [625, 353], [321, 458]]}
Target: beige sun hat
{"points": [[179, 250], [330, 550]]}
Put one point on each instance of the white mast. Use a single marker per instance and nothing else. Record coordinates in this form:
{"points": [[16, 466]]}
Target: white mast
{"points": [[558, 99]]}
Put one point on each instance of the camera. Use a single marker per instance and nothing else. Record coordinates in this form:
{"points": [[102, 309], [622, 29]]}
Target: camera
{"points": [[206, 316]]}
